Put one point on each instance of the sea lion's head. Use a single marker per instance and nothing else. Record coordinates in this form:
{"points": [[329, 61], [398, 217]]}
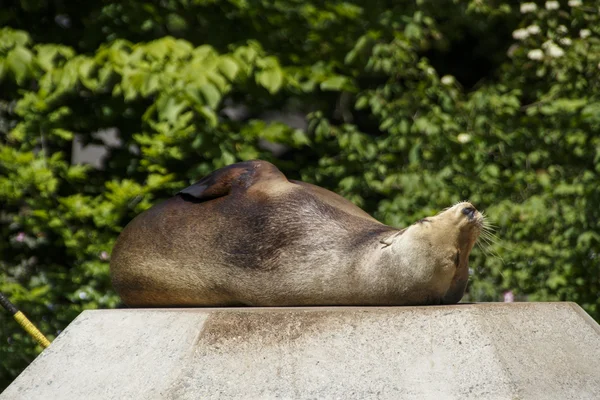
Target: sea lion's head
{"points": [[441, 244], [456, 227]]}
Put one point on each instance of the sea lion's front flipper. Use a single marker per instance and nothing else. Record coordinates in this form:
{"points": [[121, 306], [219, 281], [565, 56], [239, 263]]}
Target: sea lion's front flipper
{"points": [[231, 178]]}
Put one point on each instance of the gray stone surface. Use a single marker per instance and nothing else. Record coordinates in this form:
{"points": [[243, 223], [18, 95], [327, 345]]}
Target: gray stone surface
{"points": [[471, 351]]}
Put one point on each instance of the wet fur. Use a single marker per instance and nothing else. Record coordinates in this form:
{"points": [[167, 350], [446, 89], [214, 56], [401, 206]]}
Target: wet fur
{"points": [[245, 235]]}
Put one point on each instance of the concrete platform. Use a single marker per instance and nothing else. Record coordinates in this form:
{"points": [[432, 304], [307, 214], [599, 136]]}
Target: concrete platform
{"points": [[472, 351]]}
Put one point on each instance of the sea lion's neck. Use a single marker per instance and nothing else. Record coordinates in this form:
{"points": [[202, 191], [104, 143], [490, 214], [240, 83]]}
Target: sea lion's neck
{"points": [[406, 267]]}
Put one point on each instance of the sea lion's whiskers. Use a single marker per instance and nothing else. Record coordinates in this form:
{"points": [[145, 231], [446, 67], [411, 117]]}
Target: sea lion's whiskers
{"points": [[483, 249], [489, 237], [492, 237], [489, 226], [488, 250], [485, 238], [502, 245], [488, 233]]}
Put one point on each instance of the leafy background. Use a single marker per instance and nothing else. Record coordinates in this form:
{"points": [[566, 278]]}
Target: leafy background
{"points": [[404, 107]]}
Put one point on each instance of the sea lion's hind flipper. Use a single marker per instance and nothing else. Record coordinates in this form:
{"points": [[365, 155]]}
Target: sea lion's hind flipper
{"points": [[227, 179]]}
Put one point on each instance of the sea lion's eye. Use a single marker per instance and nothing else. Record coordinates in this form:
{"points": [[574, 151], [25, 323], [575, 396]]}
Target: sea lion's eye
{"points": [[469, 212]]}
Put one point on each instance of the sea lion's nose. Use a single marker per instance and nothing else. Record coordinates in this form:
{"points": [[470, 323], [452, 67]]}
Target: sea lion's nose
{"points": [[469, 212]]}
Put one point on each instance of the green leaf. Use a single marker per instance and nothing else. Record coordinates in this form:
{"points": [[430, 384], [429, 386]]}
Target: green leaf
{"points": [[19, 62], [228, 67], [335, 83], [63, 133], [17, 38], [169, 108], [300, 138], [361, 103], [211, 95], [45, 57], [271, 79], [209, 115]]}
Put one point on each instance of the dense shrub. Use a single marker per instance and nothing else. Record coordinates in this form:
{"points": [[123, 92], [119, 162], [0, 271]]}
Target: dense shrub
{"points": [[410, 107]]}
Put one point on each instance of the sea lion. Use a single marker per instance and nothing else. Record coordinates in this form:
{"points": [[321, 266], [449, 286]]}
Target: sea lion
{"points": [[246, 235]]}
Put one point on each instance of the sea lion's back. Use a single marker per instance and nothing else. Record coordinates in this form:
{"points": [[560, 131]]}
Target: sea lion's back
{"points": [[211, 241]]}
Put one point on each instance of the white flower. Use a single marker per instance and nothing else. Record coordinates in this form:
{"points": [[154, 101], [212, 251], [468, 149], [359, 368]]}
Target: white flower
{"points": [[447, 80], [574, 3], [532, 29], [562, 29], [555, 51], [565, 41], [536, 54], [528, 7], [552, 5], [520, 34], [463, 138], [584, 33]]}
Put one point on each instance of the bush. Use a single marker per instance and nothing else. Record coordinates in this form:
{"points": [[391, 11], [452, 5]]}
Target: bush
{"points": [[410, 108]]}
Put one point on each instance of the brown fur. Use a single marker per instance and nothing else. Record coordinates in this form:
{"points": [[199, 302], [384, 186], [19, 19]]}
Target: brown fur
{"points": [[245, 235]]}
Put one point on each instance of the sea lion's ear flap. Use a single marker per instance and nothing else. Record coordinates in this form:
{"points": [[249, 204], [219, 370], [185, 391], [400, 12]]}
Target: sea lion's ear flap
{"points": [[223, 181], [217, 183], [200, 192]]}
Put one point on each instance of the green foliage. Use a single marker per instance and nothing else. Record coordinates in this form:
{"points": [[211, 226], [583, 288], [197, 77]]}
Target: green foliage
{"points": [[411, 106]]}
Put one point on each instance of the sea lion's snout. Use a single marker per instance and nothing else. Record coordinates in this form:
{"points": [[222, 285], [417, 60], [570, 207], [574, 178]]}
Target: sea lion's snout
{"points": [[467, 214], [469, 211]]}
